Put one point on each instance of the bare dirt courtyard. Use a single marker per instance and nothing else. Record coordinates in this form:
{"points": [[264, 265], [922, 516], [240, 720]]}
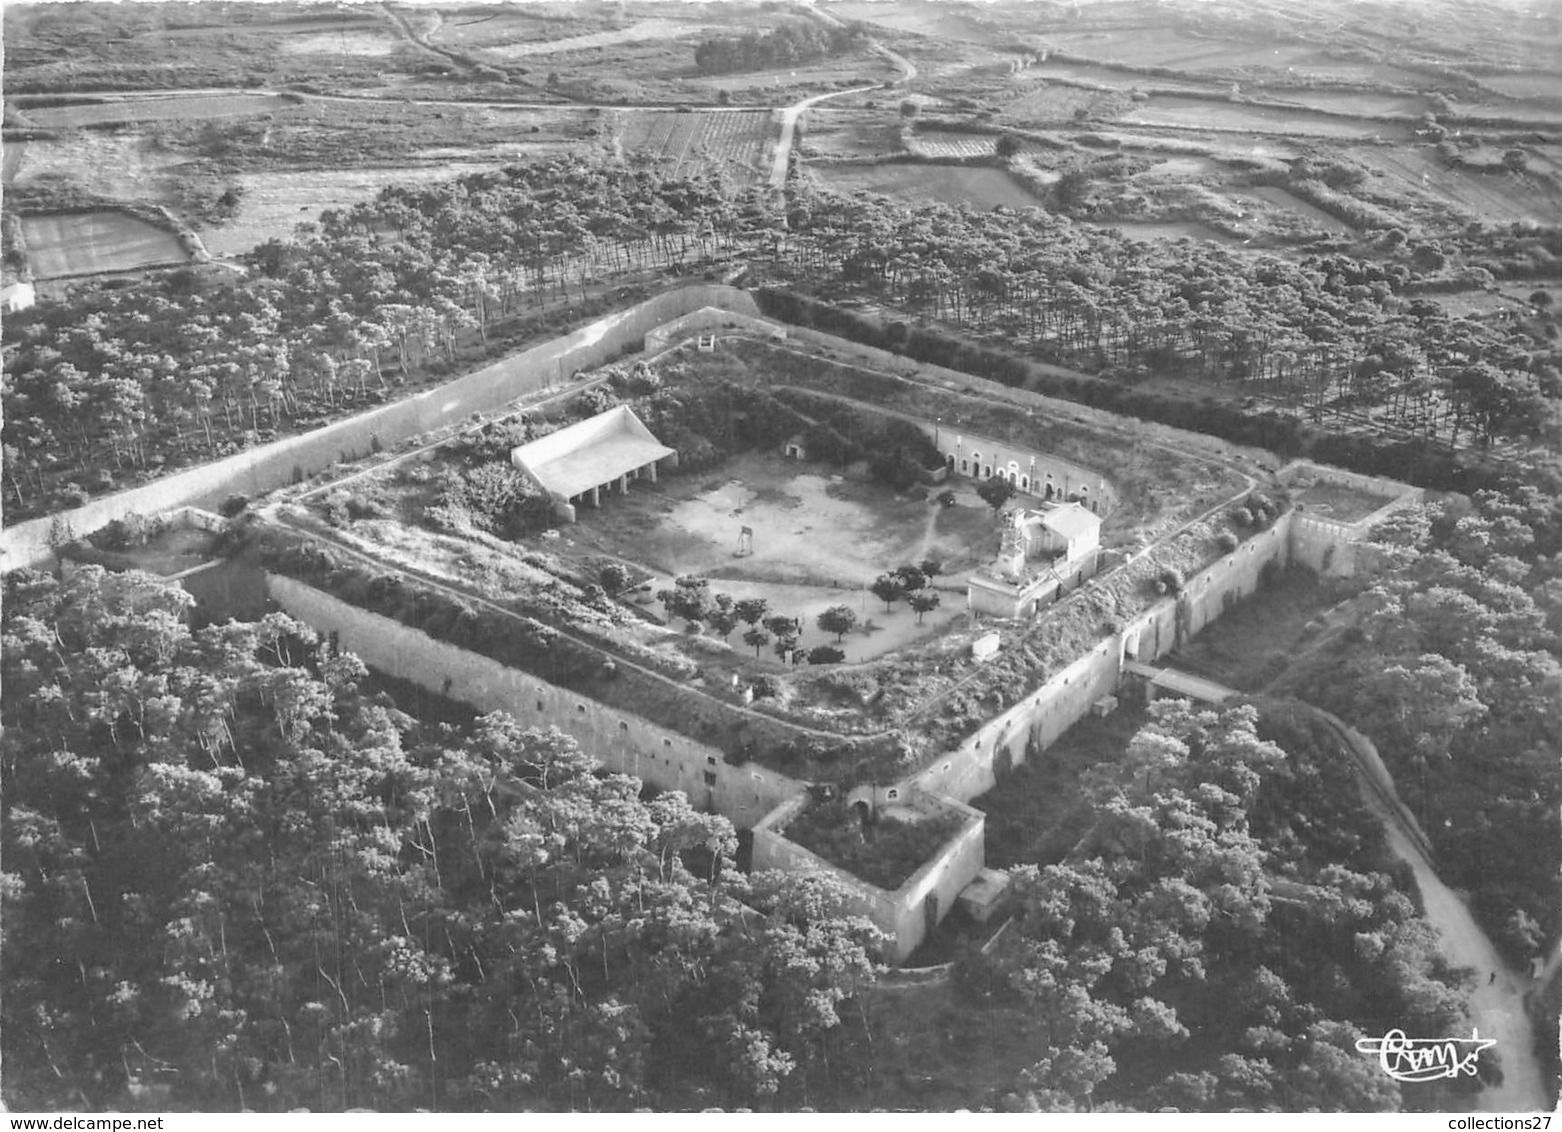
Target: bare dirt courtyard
{"points": [[819, 539]]}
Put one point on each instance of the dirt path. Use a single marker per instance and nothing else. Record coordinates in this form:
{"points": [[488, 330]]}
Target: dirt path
{"points": [[11, 155], [789, 117], [1497, 1004], [1496, 1008]]}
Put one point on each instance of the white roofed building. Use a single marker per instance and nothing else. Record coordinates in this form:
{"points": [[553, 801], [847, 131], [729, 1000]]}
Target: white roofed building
{"points": [[577, 463], [1044, 550]]}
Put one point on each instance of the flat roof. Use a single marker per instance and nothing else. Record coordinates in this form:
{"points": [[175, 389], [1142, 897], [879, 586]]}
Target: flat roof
{"points": [[590, 453], [1182, 683]]}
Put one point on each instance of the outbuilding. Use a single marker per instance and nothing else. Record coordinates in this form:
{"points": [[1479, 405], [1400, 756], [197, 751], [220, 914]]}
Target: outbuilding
{"points": [[576, 464]]}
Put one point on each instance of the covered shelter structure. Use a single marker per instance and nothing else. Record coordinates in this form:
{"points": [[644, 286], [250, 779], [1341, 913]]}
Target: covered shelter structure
{"points": [[577, 463], [1168, 682]]}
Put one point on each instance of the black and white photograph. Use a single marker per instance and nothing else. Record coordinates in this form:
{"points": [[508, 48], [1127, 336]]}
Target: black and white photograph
{"points": [[596, 557]]}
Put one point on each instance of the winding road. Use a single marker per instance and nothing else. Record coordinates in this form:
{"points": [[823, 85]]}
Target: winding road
{"points": [[1498, 1007]]}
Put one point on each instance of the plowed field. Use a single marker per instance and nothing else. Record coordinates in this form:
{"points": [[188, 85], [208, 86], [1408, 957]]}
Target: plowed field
{"points": [[89, 243], [733, 141]]}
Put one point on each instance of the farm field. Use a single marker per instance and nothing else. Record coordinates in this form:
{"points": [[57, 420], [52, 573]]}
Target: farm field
{"points": [[533, 23], [86, 243], [363, 40], [120, 165], [174, 109], [1181, 168], [979, 187], [849, 133], [641, 31], [949, 144], [1099, 74], [1524, 113], [945, 144], [733, 141], [1154, 46], [1359, 103], [1181, 112], [1171, 230], [920, 19], [1054, 102], [784, 86], [273, 204], [338, 21], [1315, 215], [1498, 196], [1224, 147], [1481, 303], [1526, 84]]}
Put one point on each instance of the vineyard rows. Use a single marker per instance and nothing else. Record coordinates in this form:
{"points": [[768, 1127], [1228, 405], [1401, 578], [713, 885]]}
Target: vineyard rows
{"points": [[734, 142]]}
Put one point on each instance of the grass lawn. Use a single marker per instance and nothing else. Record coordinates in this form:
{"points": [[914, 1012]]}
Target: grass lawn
{"points": [[1340, 503], [1260, 636]]}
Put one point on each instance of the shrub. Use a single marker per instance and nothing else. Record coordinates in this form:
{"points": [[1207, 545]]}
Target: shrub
{"points": [[233, 505], [593, 401], [615, 578], [825, 654], [1169, 581], [1226, 541]]}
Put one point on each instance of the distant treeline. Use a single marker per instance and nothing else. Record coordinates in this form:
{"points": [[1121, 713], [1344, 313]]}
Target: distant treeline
{"points": [[1415, 460], [785, 46]]}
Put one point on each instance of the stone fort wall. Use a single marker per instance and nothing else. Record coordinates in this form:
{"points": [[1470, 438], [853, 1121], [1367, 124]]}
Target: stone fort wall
{"points": [[907, 913], [622, 741], [279, 463], [1035, 722]]}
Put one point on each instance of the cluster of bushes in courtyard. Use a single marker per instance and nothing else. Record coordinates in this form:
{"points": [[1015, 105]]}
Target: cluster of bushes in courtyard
{"points": [[899, 454], [885, 851], [708, 420], [518, 640]]}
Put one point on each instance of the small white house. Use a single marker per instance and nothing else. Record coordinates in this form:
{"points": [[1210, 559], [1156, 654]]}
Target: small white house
{"points": [[1067, 529], [17, 297]]}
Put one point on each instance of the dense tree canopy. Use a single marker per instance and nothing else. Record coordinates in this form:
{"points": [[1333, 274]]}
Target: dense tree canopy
{"points": [[793, 42], [235, 880], [119, 384], [1453, 671], [1221, 935]]}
